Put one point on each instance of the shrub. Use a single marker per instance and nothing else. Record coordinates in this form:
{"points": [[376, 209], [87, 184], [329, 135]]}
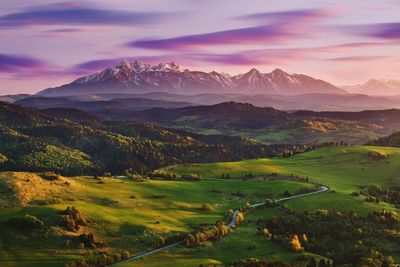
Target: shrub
{"points": [[125, 255], [26, 222], [265, 232], [269, 202], [190, 177], [376, 155], [107, 174], [207, 207], [50, 176], [374, 190]]}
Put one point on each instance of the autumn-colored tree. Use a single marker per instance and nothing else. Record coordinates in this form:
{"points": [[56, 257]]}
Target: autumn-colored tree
{"points": [[265, 232], [295, 243], [304, 238], [239, 217]]}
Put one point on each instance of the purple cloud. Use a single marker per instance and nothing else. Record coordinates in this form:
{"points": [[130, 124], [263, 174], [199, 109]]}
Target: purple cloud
{"points": [[386, 30], [286, 15], [236, 36], [285, 25], [76, 14], [15, 63]]}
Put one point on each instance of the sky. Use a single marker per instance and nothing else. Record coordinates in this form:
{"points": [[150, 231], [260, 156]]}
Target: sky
{"points": [[47, 43]]}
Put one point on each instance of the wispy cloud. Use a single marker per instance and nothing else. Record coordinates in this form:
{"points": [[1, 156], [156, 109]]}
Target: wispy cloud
{"points": [[385, 31], [16, 63], [282, 27], [356, 58], [77, 13], [286, 15]]}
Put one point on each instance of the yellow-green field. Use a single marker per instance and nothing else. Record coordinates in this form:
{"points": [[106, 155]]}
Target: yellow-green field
{"points": [[130, 215]]}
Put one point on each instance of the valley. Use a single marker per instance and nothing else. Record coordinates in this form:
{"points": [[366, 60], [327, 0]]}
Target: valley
{"points": [[131, 215], [199, 133]]}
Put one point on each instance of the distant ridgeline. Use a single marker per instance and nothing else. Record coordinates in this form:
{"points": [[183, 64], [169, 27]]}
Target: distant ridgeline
{"points": [[73, 142]]}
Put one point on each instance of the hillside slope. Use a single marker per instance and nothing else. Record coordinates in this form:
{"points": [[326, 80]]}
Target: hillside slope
{"points": [[270, 125], [73, 142], [392, 140]]}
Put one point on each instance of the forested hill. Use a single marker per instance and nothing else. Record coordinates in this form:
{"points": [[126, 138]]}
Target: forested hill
{"points": [[392, 140], [72, 142]]}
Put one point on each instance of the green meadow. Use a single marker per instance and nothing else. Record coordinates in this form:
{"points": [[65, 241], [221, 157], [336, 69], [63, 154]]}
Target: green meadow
{"points": [[126, 214], [130, 216]]}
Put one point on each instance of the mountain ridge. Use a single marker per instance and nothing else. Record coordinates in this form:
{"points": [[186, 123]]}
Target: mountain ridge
{"points": [[139, 77], [377, 87]]}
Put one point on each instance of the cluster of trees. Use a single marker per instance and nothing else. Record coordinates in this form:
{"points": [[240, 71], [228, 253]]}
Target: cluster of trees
{"points": [[392, 140], [264, 263], [72, 219], [164, 240], [347, 238], [216, 232], [33, 141], [173, 177], [88, 241], [101, 260], [320, 263], [375, 193]]}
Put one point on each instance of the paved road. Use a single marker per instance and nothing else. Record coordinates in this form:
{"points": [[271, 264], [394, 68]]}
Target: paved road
{"points": [[231, 223], [144, 254], [323, 189]]}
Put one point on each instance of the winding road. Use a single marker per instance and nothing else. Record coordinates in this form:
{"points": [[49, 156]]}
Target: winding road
{"points": [[231, 223]]}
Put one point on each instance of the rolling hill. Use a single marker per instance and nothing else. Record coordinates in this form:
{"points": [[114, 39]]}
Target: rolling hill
{"points": [[376, 87], [120, 105], [125, 216], [392, 140], [270, 125], [73, 142], [314, 101]]}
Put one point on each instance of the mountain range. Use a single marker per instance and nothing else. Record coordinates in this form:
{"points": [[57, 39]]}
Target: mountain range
{"points": [[139, 77], [375, 87]]}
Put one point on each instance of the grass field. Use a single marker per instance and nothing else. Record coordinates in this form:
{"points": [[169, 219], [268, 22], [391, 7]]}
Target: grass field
{"points": [[343, 169], [130, 215], [127, 215]]}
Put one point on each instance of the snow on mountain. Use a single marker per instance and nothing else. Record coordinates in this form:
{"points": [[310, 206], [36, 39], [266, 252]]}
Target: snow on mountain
{"points": [[140, 77], [381, 87]]}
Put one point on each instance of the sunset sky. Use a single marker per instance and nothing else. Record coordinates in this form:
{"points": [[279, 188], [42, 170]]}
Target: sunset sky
{"points": [[47, 43]]}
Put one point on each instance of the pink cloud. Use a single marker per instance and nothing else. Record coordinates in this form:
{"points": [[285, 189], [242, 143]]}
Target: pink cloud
{"points": [[284, 26]]}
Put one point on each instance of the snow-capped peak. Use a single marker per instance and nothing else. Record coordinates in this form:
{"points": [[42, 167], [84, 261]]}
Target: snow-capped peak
{"points": [[139, 66], [168, 67]]}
